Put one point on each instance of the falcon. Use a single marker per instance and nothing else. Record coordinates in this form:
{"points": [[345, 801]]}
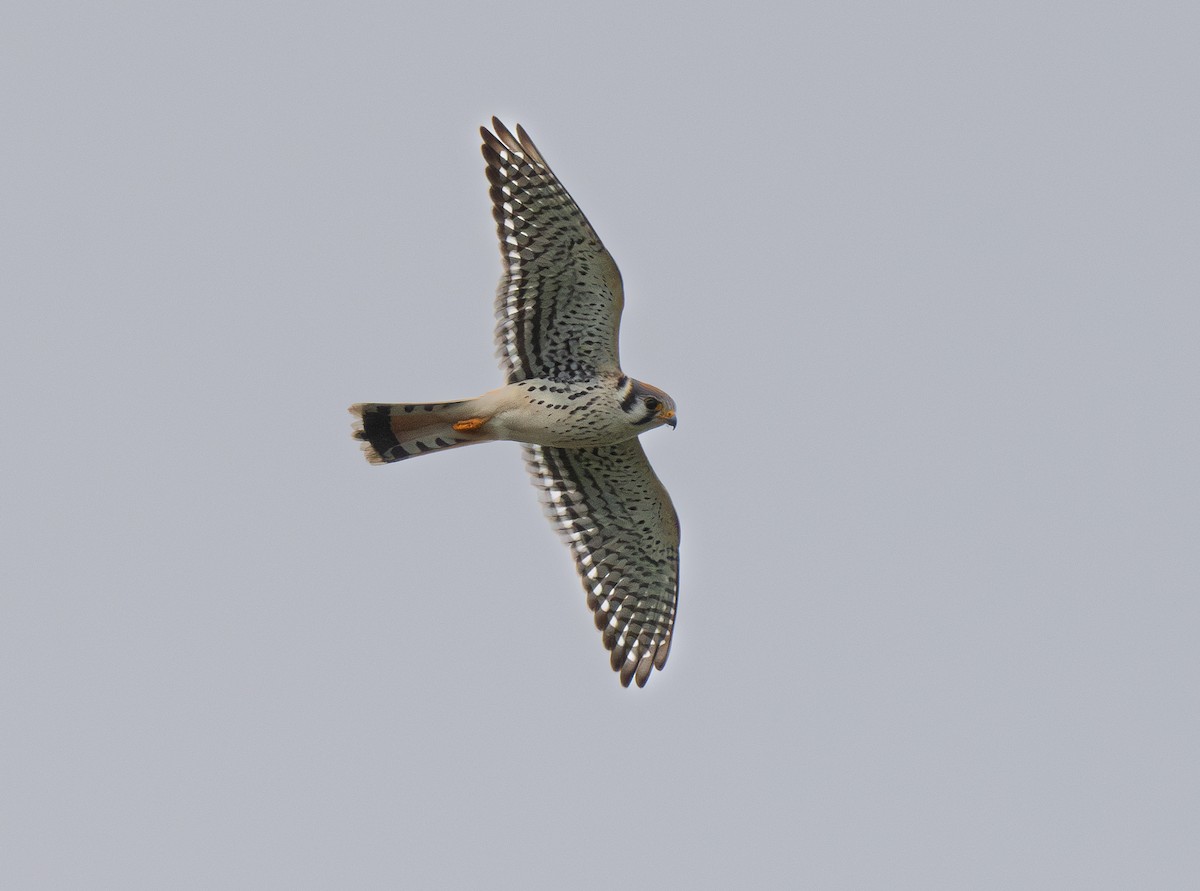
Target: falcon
{"points": [[577, 415]]}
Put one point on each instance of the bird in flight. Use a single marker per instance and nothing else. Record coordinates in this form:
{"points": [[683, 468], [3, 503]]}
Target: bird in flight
{"points": [[566, 400]]}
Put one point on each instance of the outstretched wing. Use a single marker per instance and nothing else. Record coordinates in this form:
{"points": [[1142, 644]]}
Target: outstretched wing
{"points": [[558, 306], [624, 534]]}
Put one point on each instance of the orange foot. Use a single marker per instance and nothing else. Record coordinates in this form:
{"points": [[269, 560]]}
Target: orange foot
{"points": [[469, 424]]}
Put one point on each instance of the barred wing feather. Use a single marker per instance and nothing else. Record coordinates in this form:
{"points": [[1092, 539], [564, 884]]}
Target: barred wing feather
{"points": [[618, 519], [558, 306]]}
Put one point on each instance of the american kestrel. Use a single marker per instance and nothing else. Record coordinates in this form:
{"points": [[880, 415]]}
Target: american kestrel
{"points": [[578, 416]]}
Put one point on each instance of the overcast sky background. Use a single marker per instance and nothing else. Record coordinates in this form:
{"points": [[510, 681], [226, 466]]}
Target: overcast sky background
{"points": [[923, 280]]}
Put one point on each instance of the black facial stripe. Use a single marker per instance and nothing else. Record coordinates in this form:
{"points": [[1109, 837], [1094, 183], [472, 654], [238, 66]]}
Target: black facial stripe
{"points": [[629, 399]]}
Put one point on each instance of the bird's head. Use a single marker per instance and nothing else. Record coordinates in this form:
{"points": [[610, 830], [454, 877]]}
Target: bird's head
{"points": [[647, 406]]}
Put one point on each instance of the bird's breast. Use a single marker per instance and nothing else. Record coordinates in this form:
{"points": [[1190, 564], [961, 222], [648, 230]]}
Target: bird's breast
{"points": [[575, 415]]}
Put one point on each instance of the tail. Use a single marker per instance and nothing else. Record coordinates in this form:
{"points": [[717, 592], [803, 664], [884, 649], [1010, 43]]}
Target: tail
{"points": [[393, 432]]}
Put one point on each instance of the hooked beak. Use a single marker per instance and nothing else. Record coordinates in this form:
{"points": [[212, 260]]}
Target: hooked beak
{"points": [[668, 416]]}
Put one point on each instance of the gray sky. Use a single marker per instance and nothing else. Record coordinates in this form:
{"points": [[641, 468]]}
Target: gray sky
{"points": [[923, 282]]}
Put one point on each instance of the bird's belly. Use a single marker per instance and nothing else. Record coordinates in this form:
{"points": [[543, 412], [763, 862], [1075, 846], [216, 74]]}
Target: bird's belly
{"points": [[562, 424]]}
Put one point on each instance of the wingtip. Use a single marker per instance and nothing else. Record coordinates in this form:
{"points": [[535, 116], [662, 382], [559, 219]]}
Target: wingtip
{"points": [[506, 136], [529, 147], [491, 154], [627, 673], [644, 666], [662, 651], [490, 142]]}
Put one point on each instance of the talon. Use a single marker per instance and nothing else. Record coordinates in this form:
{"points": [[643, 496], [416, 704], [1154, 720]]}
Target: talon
{"points": [[469, 424]]}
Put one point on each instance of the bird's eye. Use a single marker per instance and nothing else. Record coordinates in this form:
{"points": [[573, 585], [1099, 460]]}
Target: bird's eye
{"points": [[652, 403]]}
